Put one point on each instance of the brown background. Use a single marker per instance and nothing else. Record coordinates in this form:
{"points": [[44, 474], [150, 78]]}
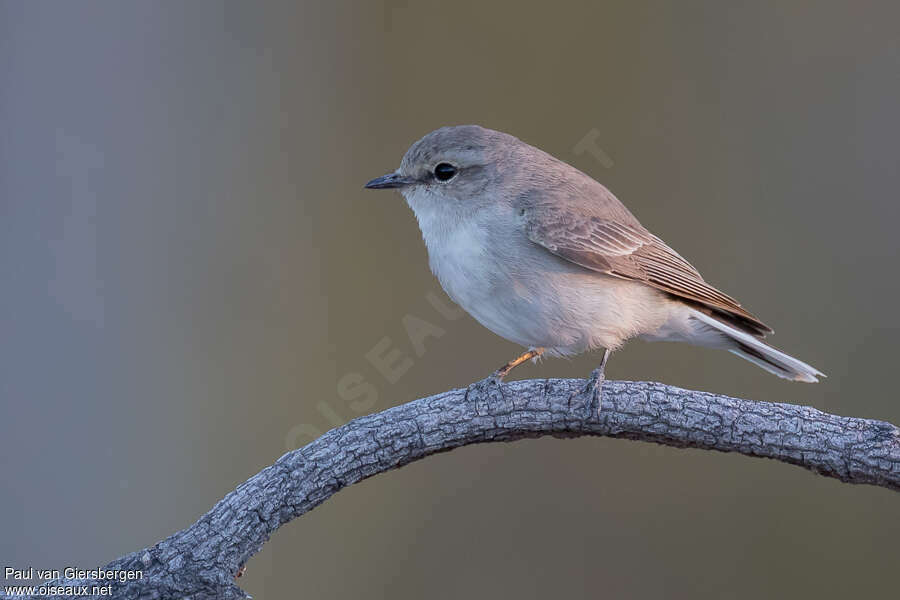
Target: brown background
{"points": [[189, 264]]}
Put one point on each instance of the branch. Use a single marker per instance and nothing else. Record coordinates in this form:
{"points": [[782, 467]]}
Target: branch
{"points": [[201, 561]]}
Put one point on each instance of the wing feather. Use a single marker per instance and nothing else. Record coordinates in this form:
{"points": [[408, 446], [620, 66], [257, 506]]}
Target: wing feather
{"points": [[631, 252]]}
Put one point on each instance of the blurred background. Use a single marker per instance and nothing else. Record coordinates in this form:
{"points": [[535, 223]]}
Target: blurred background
{"points": [[189, 266]]}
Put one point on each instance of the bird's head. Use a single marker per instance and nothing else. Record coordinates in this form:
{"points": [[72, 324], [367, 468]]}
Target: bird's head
{"points": [[453, 171]]}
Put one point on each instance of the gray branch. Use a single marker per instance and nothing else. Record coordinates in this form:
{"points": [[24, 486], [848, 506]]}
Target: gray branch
{"points": [[201, 561]]}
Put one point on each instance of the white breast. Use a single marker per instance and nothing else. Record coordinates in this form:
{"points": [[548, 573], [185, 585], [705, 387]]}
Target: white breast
{"points": [[460, 259]]}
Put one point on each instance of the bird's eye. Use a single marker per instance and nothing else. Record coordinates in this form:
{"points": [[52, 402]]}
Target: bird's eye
{"points": [[444, 172]]}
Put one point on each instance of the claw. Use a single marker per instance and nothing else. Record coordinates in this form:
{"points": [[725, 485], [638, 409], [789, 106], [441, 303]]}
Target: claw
{"points": [[595, 385], [486, 386]]}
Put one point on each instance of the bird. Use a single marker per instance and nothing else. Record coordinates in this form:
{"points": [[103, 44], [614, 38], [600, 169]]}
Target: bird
{"points": [[546, 257]]}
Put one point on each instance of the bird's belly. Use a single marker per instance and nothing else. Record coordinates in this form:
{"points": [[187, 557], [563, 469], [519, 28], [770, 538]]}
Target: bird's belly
{"points": [[536, 300]]}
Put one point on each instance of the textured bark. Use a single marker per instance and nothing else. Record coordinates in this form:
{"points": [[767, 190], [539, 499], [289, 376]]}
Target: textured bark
{"points": [[201, 561]]}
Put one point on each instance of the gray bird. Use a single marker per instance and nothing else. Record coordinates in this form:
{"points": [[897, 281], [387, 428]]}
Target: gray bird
{"points": [[548, 258]]}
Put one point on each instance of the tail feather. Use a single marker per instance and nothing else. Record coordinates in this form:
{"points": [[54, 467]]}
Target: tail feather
{"points": [[758, 352]]}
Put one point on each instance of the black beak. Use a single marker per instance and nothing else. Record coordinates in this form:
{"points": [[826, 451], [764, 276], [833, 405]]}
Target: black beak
{"points": [[391, 180]]}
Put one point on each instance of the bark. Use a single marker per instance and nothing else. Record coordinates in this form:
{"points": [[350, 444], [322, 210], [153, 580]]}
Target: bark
{"points": [[201, 561]]}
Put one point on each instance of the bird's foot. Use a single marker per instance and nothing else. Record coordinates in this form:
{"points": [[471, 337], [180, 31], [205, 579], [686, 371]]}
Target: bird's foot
{"points": [[491, 386], [594, 386], [592, 392], [496, 378]]}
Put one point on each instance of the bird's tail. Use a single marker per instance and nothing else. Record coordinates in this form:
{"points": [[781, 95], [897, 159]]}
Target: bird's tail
{"points": [[758, 352]]}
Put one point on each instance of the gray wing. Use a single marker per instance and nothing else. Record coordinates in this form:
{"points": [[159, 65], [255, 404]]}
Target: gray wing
{"points": [[629, 251]]}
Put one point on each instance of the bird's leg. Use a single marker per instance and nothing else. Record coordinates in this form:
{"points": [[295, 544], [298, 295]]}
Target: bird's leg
{"points": [[595, 383], [503, 371]]}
